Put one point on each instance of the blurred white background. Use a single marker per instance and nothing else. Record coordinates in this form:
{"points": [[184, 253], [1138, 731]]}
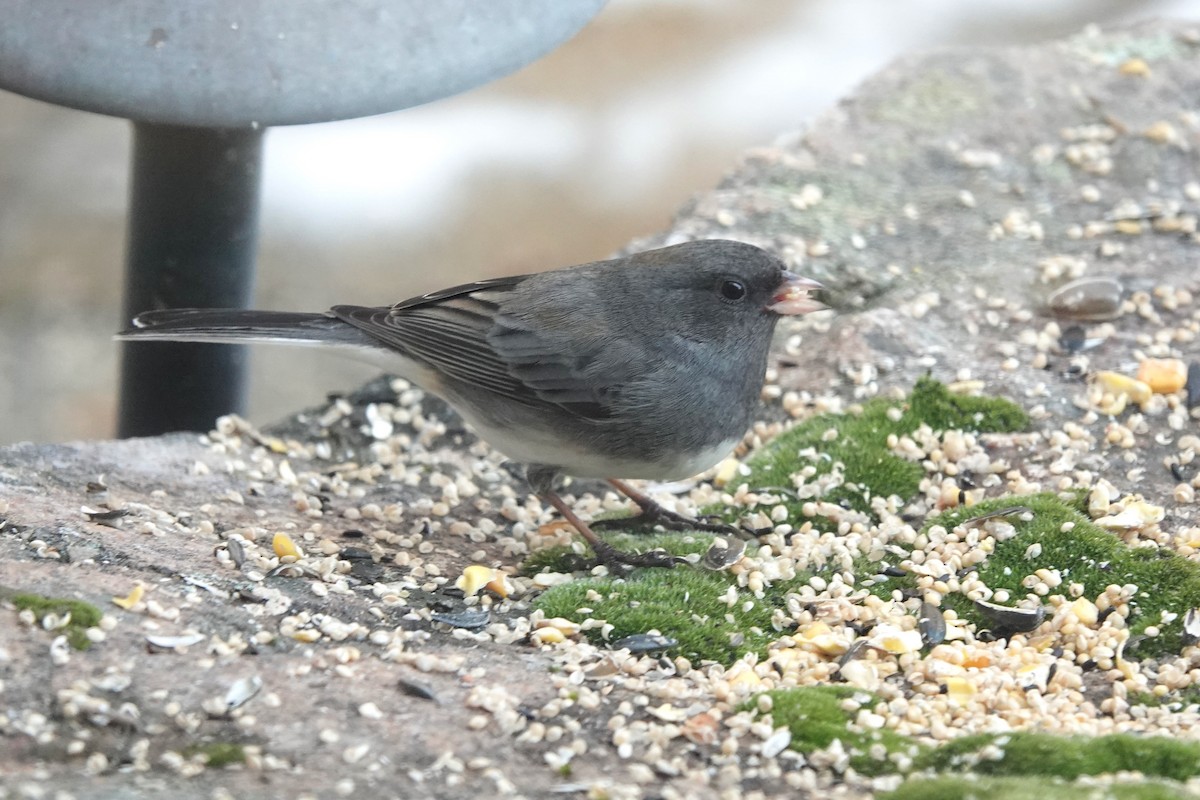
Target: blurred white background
{"points": [[561, 163]]}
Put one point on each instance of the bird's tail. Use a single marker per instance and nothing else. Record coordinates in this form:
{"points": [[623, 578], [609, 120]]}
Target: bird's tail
{"points": [[236, 325]]}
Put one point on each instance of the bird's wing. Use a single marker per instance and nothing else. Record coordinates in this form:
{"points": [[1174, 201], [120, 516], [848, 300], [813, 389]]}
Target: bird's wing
{"points": [[463, 333]]}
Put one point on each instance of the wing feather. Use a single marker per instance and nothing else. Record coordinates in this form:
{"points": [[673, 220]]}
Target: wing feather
{"points": [[464, 333]]}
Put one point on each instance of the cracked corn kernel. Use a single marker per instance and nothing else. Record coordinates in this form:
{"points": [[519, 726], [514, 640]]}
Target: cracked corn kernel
{"points": [[474, 578], [132, 599], [547, 636], [1163, 375], [1135, 67], [960, 689], [284, 546], [477, 577]]}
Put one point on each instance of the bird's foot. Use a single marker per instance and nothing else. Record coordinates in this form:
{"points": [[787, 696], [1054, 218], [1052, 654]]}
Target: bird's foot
{"points": [[619, 560], [672, 521], [655, 514], [606, 554]]}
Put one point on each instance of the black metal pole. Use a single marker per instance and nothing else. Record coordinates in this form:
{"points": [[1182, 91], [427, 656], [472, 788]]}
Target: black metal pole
{"points": [[193, 223]]}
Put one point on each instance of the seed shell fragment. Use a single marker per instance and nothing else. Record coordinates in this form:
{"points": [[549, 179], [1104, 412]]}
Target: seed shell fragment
{"points": [[1009, 620], [175, 642], [723, 554], [932, 624], [645, 643], [470, 619], [242, 691]]}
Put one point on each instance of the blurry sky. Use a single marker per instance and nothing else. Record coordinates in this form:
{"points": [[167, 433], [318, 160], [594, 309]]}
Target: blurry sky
{"points": [[561, 163]]}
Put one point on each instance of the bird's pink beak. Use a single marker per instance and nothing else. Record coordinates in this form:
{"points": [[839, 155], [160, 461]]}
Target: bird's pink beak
{"points": [[795, 296]]}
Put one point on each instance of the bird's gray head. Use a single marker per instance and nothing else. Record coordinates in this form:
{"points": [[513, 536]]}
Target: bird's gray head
{"points": [[720, 290]]}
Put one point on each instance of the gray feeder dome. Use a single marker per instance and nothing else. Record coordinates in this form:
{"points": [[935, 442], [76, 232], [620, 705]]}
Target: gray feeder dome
{"points": [[221, 64], [202, 79]]}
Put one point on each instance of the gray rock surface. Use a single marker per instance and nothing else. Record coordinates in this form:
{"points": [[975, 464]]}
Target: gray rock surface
{"points": [[935, 203]]}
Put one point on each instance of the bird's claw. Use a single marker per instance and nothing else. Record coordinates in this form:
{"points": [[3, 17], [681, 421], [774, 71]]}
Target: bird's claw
{"points": [[612, 558], [672, 521]]}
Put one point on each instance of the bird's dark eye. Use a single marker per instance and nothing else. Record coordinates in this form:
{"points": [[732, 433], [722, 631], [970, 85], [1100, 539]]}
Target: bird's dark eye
{"points": [[731, 289]]}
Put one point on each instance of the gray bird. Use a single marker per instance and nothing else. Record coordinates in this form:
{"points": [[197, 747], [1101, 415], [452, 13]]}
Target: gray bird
{"points": [[647, 366]]}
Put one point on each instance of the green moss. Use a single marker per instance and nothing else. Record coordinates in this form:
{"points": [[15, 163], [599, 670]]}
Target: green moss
{"points": [[684, 604], [856, 444], [551, 559], [1175, 701], [218, 754], [815, 718], [1067, 757], [936, 406], [83, 615], [1086, 554], [955, 787]]}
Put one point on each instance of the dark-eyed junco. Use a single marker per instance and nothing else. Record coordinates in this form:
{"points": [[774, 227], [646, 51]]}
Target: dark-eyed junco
{"points": [[646, 366]]}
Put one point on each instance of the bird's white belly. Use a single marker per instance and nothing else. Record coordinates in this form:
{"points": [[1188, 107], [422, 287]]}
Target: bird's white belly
{"points": [[535, 448]]}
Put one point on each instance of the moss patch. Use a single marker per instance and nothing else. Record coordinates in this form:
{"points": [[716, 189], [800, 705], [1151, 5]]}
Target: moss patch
{"points": [[815, 718], [83, 615], [1083, 553], [856, 444], [1173, 701], [1066, 757], [955, 787], [685, 604], [218, 754]]}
